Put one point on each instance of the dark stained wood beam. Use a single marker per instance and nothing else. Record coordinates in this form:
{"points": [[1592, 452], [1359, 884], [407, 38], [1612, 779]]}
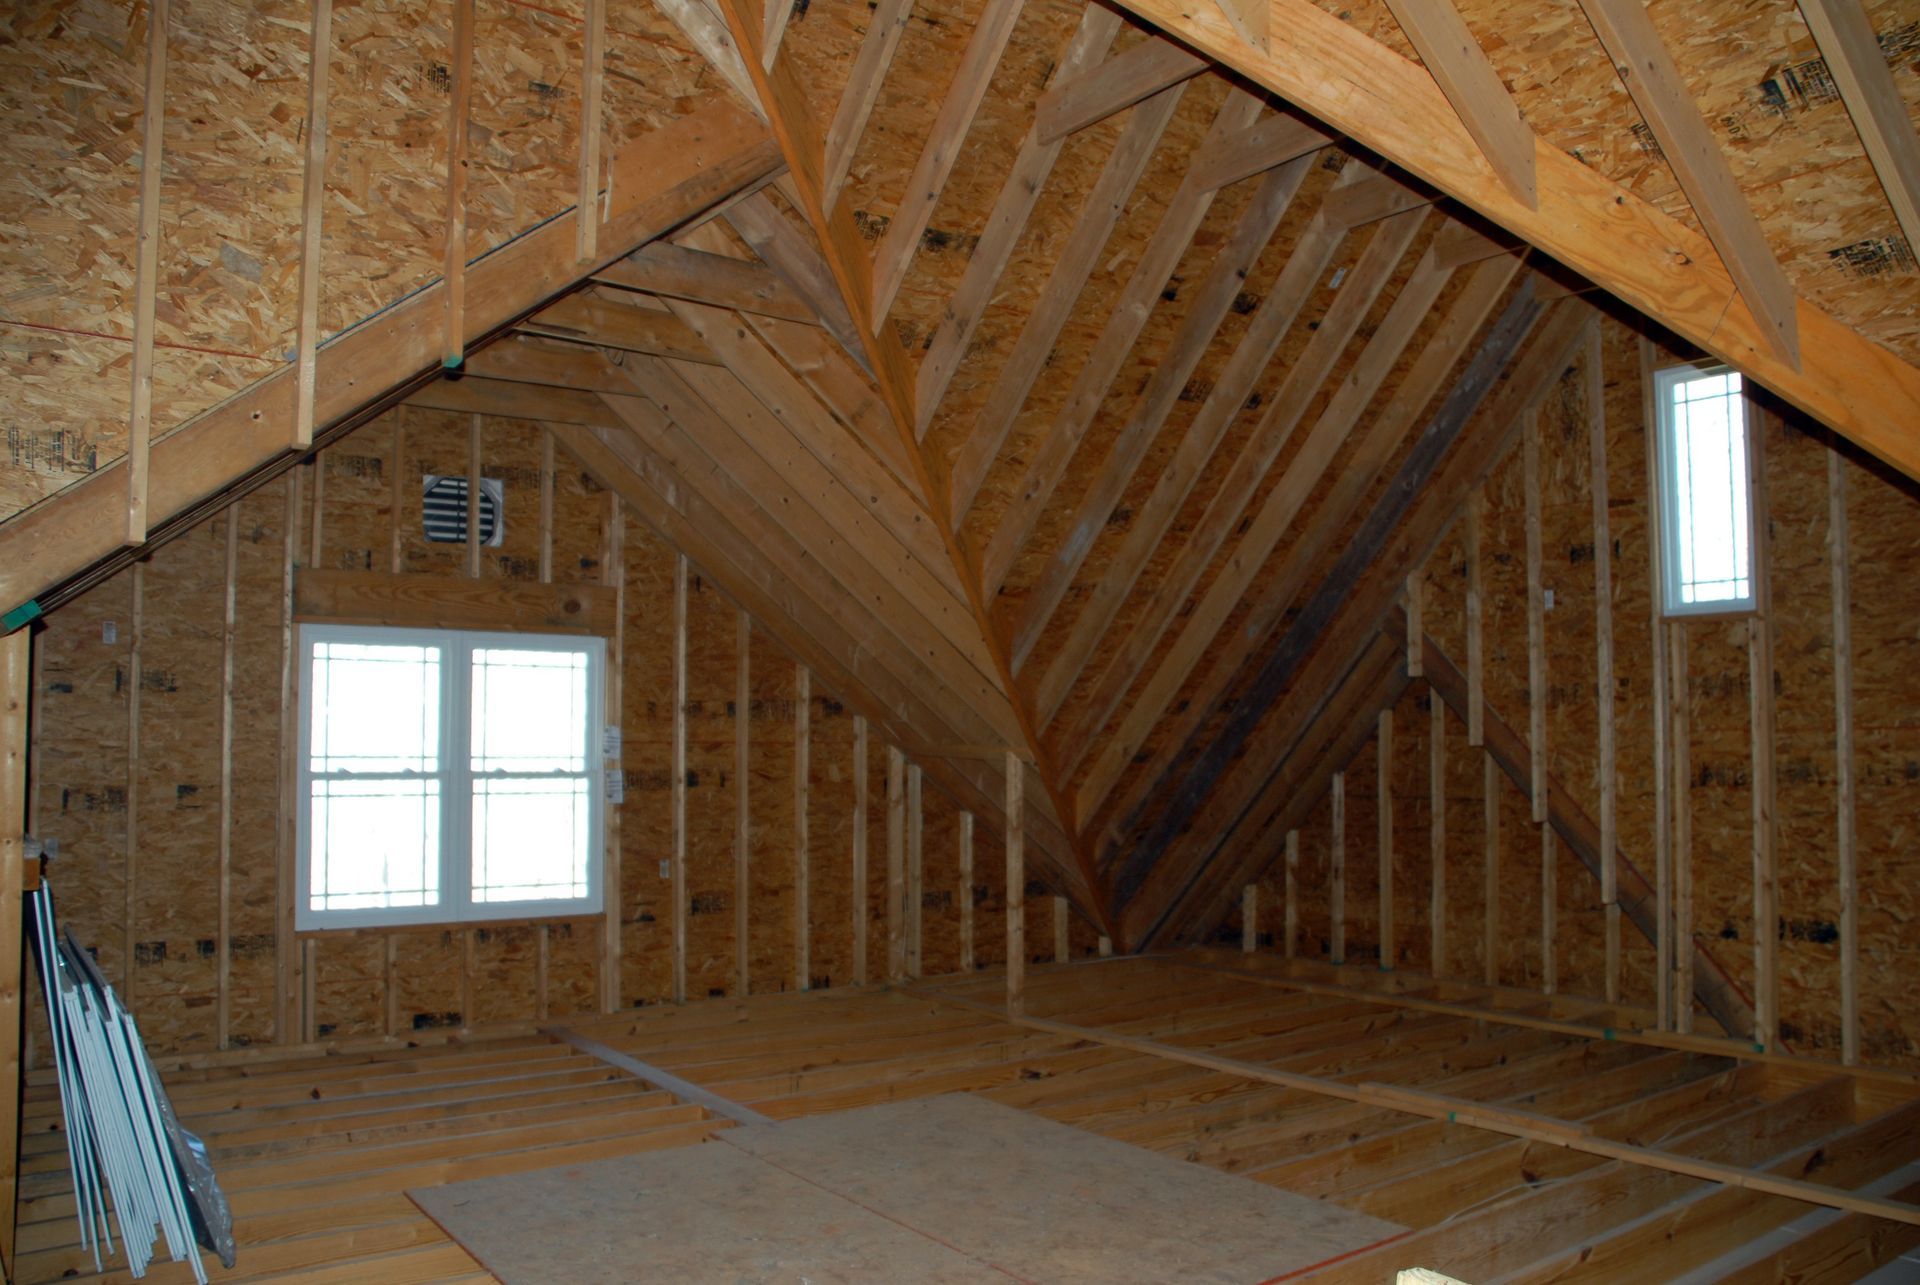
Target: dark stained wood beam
{"points": [[1369, 587], [1341, 697], [1581, 834], [1201, 772]]}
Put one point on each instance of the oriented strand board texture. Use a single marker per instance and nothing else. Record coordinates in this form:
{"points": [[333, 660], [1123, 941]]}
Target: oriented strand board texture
{"points": [[1884, 516], [233, 159], [1771, 106], [435, 973], [948, 1189]]}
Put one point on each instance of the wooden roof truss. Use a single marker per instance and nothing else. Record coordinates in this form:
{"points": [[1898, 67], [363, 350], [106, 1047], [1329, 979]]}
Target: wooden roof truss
{"points": [[1135, 498]]}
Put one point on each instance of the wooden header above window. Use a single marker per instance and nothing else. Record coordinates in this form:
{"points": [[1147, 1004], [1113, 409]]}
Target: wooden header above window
{"points": [[445, 602]]}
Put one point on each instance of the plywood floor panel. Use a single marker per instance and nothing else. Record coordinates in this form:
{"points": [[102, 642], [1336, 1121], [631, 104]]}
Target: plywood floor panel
{"points": [[943, 1188]]}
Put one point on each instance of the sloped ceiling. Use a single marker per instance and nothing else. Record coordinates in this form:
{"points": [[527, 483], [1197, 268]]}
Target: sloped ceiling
{"points": [[1075, 396]]}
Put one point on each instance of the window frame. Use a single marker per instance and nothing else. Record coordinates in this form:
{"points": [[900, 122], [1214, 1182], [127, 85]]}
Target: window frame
{"points": [[457, 904], [1666, 447]]}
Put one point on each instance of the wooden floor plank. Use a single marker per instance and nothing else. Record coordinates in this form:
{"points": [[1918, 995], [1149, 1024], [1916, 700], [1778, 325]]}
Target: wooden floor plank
{"points": [[317, 1151]]}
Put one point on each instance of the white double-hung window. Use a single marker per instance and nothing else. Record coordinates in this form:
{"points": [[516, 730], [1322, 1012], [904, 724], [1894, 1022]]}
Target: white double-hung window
{"points": [[447, 776], [1706, 511]]}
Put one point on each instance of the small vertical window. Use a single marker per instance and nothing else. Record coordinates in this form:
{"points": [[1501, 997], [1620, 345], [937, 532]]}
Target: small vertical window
{"points": [[1706, 518]]}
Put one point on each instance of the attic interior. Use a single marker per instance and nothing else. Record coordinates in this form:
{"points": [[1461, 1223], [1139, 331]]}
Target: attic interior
{"points": [[1249, 640]]}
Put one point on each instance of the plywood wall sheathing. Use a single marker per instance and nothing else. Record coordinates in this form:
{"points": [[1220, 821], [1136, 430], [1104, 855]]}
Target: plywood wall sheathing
{"points": [[361, 984], [230, 216], [1713, 792]]}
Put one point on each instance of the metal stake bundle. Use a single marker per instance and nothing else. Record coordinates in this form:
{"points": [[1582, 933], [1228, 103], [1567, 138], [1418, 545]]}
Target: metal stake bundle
{"points": [[122, 1138]]}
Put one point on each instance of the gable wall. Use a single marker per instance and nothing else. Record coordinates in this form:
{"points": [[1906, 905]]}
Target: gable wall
{"points": [[85, 797], [1884, 519]]}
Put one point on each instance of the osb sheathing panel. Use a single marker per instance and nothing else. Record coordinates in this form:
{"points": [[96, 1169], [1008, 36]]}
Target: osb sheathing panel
{"points": [[1093, 456], [82, 725], [1094, 304], [712, 655], [179, 807], [1277, 564], [1883, 519], [831, 900], [1075, 170], [1770, 104], [1040, 37], [771, 682], [646, 818], [1885, 524], [1154, 341], [1804, 730], [80, 730], [254, 878], [231, 192], [1214, 475]]}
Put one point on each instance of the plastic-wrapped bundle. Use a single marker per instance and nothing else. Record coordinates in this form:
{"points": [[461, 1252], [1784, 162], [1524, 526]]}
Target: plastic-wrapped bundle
{"points": [[123, 1139]]}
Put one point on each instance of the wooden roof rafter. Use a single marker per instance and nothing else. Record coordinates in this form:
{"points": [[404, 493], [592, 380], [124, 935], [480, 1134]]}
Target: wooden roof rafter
{"points": [[1346, 612], [667, 177], [786, 250], [677, 272], [822, 637], [939, 152], [863, 294], [1321, 735], [1275, 318], [1647, 69], [1005, 224], [1079, 255], [862, 90], [1261, 610], [1591, 224], [1080, 99], [1151, 838], [1211, 302], [1853, 55], [1128, 314], [1224, 512], [1460, 67]]}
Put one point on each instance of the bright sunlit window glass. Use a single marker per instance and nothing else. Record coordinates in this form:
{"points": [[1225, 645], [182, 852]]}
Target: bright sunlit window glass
{"points": [[448, 776], [1706, 522]]}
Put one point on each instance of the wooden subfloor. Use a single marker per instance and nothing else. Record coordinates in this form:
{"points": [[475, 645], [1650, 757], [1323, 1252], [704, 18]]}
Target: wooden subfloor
{"points": [[317, 1151]]}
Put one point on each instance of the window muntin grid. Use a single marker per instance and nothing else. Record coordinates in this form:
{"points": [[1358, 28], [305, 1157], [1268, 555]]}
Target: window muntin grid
{"points": [[1706, 517], [449, 776]]}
